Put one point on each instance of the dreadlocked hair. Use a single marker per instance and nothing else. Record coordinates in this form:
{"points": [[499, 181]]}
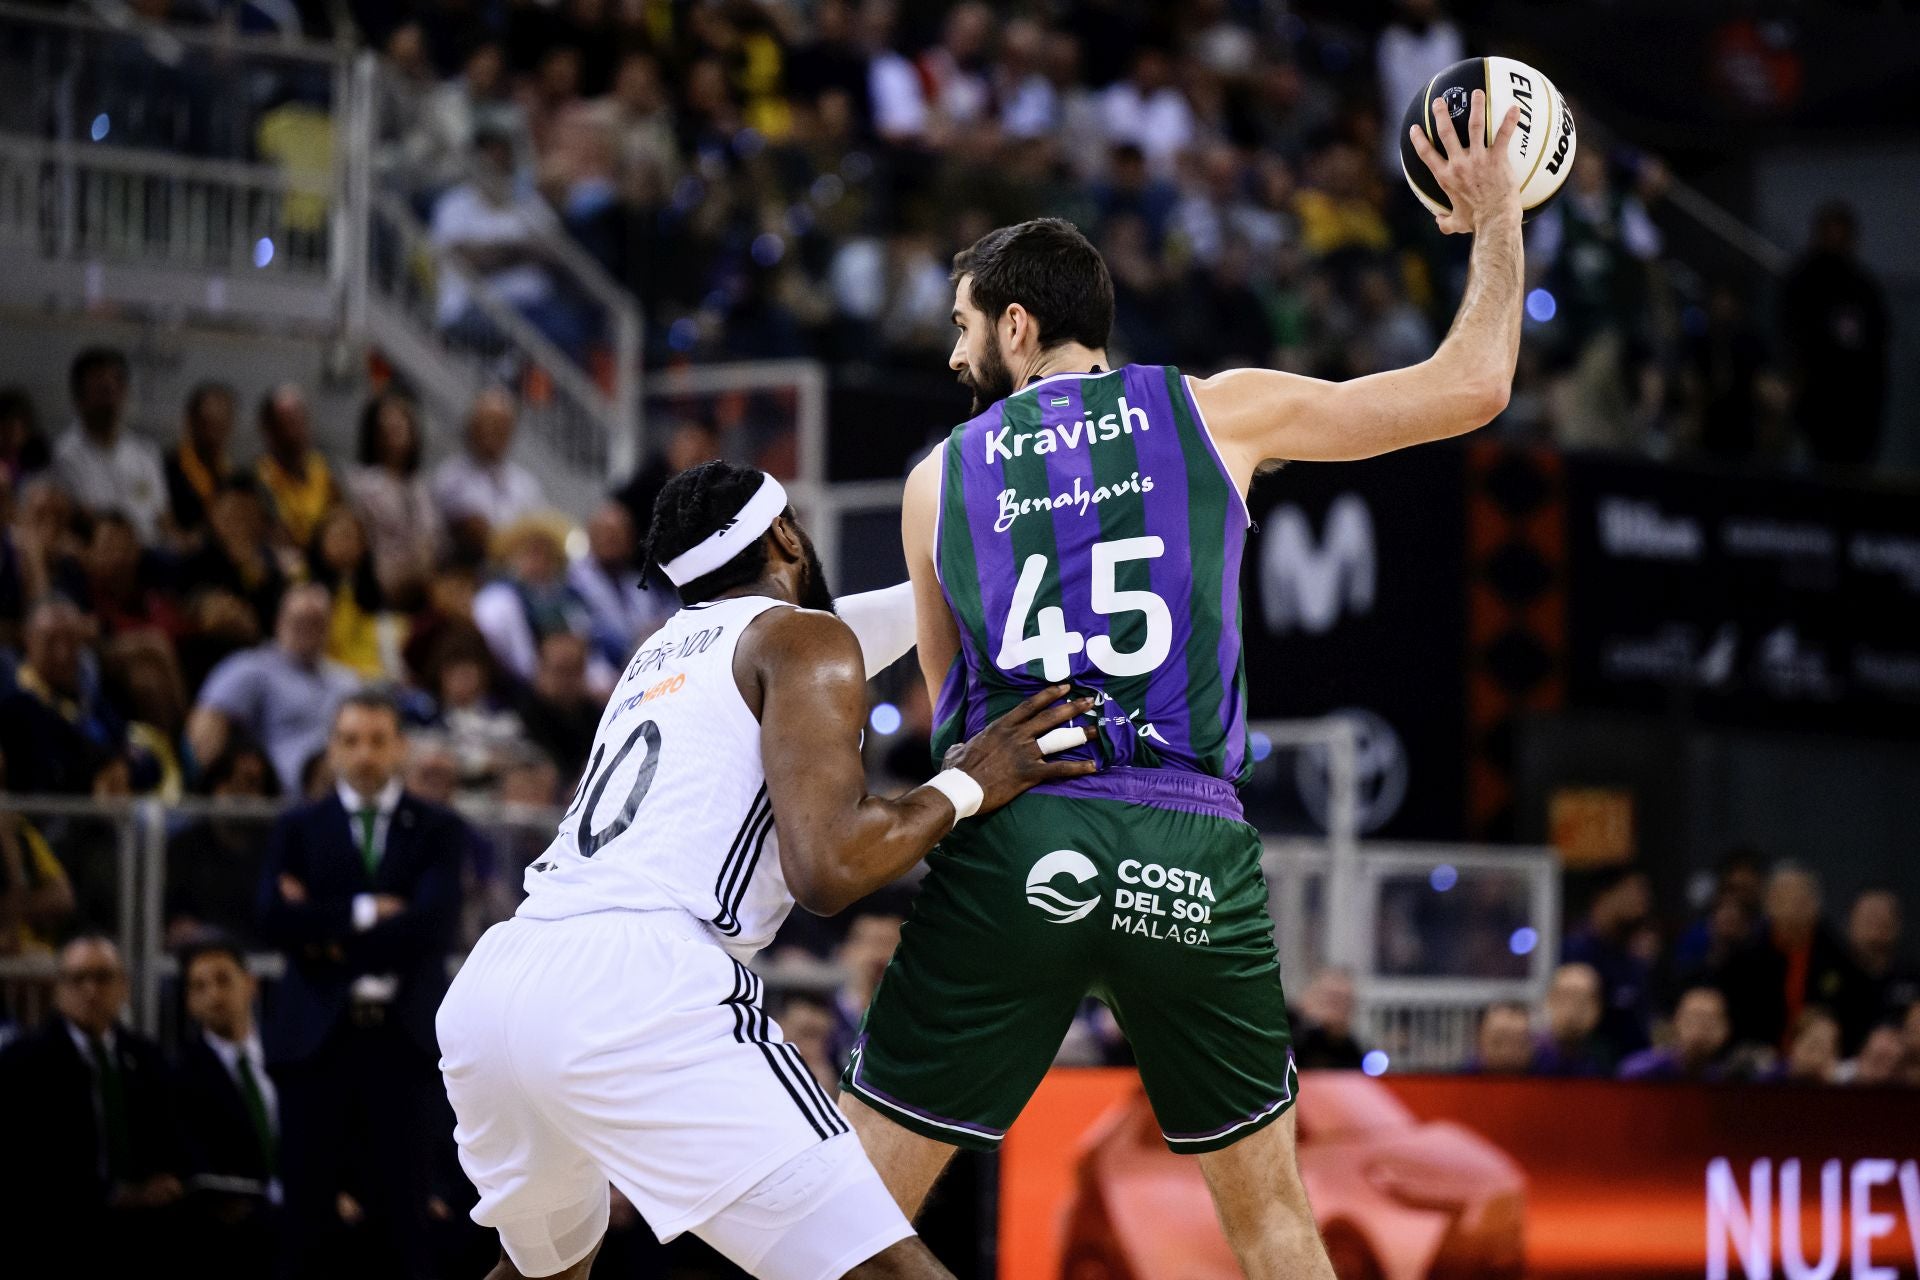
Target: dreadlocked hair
{"points": [[689, 509]]}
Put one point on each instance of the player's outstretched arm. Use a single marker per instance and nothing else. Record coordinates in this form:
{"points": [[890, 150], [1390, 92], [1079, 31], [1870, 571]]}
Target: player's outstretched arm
{"points": [[1257, 415], [838, 843], [937, 637]]}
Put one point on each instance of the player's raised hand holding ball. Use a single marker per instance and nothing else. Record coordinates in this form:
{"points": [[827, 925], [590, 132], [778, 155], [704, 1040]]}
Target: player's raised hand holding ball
{"points": [[1487, 135]]}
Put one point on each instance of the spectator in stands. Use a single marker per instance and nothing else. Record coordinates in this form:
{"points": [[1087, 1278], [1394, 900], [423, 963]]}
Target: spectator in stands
{"points": [[35, 895], [393, 498], [482, 730], [872, 937], [362, 891], [1148, 110], [1838, 334], [1130, 189], [690, 442], [1503, 1044], [1420, 41], [58, 733], [282, 693], [607, 580], [1324, 1036], [558, 711], [481, 488], [23, 449], [99, 460], [294, 476], [894, 87], [213, 863], [1813, 1048], [1593, 250], [234, 581], [1732, 917], [807, 1023], [1339, 207], [198, 467], [1873, 942], [93, 1177], [1606, 944], [1726, 376], [128, 587], [230, 1113], [361, 634], [1795, 962], [1701, 1034], [478, 103], [433, 770], [1393, 334], [645, 151], [1879, 1061], [406, 154], [953, 71], [531, 599], [1910, 1039], [1570, 1045], [39, 553], [499, 230]]}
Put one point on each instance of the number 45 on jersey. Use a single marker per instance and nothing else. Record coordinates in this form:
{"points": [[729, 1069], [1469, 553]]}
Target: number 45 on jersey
{"points": [[1053, 646]]}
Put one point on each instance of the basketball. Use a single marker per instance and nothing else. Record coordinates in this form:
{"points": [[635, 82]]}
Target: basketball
{"points": [[1543, 143]]}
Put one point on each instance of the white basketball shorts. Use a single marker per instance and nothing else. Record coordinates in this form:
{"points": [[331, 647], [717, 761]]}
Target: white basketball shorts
{"points": [[628, 1047]]}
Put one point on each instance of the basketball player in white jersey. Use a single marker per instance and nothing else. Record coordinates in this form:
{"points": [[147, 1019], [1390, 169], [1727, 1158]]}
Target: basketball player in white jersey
{"points": [[610, 1031]]}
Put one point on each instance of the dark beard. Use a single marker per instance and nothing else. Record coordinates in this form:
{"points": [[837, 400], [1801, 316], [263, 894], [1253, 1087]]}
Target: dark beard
{"points": [[814, 592], [992, 381]]}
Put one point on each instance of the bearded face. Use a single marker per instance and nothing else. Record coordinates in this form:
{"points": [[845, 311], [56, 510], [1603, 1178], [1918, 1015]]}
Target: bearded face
{"points": [[977, 356]]}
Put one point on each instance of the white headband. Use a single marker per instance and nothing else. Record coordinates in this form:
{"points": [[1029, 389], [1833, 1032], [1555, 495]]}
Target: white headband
{"points": [[731, 538]]}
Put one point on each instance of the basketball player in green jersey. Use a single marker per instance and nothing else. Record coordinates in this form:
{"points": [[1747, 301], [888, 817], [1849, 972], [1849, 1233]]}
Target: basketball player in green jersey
{"points": [[1086, 526]]}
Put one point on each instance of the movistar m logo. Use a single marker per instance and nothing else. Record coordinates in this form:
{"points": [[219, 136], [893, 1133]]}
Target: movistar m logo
{"points": [[1308, 582], [1062, 908], [1006, 443]]}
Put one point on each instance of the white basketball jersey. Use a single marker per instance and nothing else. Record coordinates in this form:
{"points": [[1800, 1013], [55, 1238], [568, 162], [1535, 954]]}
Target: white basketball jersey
{"points": [[672, 811]]}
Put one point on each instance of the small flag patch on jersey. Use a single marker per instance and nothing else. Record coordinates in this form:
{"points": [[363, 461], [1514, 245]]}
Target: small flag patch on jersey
{"points": [[1061, 401]]}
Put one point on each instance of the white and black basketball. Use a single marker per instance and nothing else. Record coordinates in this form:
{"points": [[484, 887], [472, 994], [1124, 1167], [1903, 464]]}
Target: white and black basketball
{"points": [[1543, 144]]}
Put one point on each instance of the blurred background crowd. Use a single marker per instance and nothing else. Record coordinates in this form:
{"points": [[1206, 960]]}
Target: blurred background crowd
{"points": [[780, 179], [206, 606]]}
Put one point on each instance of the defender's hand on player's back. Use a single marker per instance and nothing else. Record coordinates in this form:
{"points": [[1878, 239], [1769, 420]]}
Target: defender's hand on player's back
{"points": [[1005, 759], [1479, 179]]}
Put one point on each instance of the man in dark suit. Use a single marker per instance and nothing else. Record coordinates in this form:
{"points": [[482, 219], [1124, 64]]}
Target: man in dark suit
{"points": [[230, 1115], [90, 1183], [361, 889]]}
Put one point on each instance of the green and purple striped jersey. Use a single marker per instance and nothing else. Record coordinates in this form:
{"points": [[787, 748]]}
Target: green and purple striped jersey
{"points": [[1089, 533]]}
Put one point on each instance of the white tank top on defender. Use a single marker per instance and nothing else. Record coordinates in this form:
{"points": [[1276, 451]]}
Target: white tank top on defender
{"points": [[672, 811]]}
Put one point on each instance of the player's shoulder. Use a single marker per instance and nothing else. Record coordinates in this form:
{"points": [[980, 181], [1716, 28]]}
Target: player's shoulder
{"points": [[791, 635]]}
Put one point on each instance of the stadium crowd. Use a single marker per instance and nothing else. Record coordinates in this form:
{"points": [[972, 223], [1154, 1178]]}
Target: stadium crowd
{"points": [[772, 178]]}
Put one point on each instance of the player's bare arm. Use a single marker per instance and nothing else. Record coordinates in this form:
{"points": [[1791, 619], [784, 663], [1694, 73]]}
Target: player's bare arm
{"points": [[1257, 415], [801, 672], [938, 638]]}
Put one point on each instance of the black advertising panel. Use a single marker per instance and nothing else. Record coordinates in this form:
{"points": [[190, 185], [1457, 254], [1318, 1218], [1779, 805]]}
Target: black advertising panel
{"points": [[1761, 601], [1354, 604]]}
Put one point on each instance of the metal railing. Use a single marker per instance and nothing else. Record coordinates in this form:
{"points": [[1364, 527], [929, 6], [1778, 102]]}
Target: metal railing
{"points": [[579, 422], [1440, 933], [150, 874], [209, 175]]}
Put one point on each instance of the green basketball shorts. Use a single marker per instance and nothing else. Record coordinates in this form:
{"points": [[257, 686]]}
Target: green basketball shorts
{"points": [[1160, 913]]}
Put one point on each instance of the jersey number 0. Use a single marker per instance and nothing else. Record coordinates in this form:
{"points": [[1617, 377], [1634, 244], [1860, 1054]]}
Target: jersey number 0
{"points": [[595, 783]]}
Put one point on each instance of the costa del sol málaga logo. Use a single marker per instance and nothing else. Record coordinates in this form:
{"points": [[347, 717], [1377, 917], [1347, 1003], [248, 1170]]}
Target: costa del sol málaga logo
{"points": [[1055, 905]]}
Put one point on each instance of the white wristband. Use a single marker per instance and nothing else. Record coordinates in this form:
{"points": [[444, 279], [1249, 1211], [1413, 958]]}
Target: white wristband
{"points": [[962, 790], [366, 912]]}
